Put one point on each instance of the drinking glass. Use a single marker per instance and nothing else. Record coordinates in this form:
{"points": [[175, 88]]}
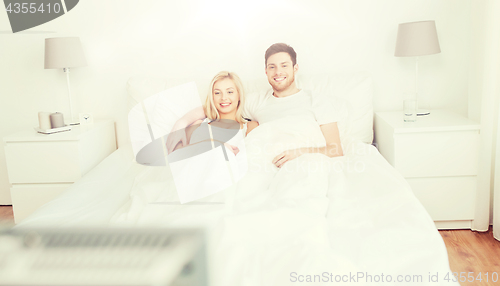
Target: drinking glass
{"points": [[410, 110]]}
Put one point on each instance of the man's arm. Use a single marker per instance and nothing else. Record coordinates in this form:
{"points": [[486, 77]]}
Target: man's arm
{"points": [[333, 146], [175, 137]]}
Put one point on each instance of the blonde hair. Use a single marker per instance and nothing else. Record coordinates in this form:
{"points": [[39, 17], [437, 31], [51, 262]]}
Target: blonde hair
{"points": [[210, 110]]}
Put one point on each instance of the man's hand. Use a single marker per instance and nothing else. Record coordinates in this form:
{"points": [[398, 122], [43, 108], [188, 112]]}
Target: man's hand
{"points": [[287, 156], [179, 135]]}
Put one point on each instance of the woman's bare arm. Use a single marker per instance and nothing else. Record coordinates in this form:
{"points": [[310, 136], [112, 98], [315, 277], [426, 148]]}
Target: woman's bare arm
{"points": [[174, 138], [189, 132], [251, 125]]}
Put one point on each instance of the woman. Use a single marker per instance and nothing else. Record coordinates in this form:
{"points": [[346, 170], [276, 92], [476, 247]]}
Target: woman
{"points": [[199, 168], [223, 108]]}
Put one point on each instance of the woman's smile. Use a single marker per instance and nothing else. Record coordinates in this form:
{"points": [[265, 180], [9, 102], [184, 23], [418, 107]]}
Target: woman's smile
{"points": [[224, 95]]}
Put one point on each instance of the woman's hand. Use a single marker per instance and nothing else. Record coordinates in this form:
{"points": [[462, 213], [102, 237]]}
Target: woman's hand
{"points": [[232, 148], [287, 156]]}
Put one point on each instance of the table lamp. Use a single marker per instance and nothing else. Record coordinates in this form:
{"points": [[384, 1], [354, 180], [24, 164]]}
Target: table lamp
{"points": [[65, 53], [417, 39]]}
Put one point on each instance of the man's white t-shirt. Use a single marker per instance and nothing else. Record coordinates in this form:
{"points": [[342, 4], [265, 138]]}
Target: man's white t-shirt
{"points": [[264, 107]]}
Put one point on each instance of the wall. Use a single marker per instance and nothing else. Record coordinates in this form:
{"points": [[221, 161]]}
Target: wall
{"points": [[122, 38]]}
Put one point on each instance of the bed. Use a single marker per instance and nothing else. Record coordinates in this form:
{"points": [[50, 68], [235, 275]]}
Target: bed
{"points": [[359, 224]]}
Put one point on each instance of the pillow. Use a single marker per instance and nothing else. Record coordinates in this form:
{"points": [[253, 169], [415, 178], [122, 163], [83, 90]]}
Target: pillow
{"points": [[156, 97], [352, 92], [154, 117]]}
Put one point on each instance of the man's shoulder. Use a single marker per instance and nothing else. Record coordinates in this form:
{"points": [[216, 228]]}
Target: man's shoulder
{"points": [[260, 95], [306, 93], [315, 95], [253, 102], [317, 98]]}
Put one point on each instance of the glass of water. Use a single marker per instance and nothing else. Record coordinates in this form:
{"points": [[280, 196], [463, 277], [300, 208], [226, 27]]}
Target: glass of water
{"points": [[410, 110]]}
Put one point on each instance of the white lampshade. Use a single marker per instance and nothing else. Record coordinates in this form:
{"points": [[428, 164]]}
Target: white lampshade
{"points": [[64, 53], [417, 39]]}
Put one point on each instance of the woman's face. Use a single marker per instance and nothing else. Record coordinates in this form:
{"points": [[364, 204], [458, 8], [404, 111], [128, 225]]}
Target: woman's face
{"points": [[226, 96]]}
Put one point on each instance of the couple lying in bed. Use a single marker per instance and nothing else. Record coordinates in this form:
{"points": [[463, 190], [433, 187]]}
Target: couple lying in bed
{"points": [[226, 104]]}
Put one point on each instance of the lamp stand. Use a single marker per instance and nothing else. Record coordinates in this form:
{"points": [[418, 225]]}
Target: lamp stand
{"points": [[72, 121], [420, 111]]}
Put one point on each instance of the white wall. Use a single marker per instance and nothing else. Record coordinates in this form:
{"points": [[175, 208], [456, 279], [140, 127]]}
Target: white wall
{"points": [[123, 38]]}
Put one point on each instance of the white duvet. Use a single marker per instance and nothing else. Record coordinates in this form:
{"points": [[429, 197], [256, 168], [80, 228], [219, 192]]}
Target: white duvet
{"points": [[318, 219]]}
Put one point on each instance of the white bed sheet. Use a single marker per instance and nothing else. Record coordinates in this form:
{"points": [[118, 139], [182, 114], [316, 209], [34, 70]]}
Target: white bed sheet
{"points": [[371, 224]]}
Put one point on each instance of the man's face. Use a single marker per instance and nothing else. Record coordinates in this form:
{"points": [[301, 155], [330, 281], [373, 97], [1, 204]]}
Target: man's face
{"points": [[280, 71]]}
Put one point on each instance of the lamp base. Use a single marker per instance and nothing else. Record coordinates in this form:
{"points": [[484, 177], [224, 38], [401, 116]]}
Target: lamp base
{"points": [[74, 123], [423, 112]]}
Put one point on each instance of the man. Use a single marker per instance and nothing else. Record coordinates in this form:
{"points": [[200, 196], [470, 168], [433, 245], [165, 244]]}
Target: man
{"points": [[285, 99]]}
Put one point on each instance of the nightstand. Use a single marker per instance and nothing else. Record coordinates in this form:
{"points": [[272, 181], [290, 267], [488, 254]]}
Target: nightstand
{"points": [[42, 166], [438, 156]]}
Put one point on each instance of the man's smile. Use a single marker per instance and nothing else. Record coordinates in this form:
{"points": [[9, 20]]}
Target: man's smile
{"points": [[279, 79]]}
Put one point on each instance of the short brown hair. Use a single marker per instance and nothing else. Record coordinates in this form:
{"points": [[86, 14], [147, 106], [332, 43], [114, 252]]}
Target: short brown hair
{"points": [[279, 48]]}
